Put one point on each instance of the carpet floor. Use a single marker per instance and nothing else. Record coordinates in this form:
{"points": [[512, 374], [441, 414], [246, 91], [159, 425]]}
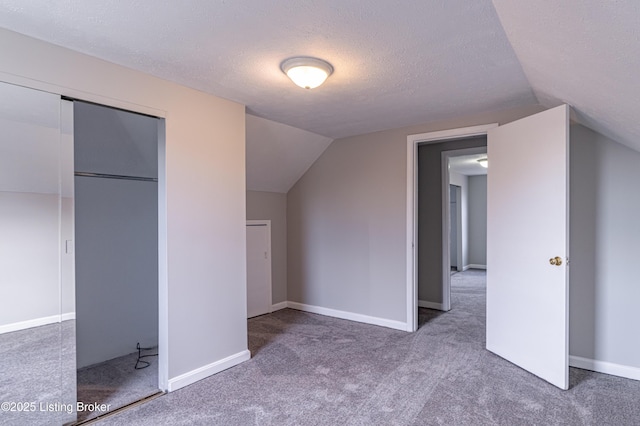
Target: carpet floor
{"points": [[38, 368], [309, 369], [38, 376], [116, 383]]}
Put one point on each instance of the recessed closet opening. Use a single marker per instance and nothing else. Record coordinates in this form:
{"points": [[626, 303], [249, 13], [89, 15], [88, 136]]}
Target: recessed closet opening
{"points": [[116, 261]]}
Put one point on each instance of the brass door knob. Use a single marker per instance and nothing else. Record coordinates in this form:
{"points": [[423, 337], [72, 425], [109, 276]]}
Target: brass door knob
{"points": [[557, 261]]}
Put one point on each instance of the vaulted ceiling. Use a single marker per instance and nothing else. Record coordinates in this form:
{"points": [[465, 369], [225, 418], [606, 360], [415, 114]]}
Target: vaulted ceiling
{"points": [[278, 155], [396, 63]]}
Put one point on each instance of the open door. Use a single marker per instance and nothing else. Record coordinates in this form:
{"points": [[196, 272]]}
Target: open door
{"points": [[528, 243]]}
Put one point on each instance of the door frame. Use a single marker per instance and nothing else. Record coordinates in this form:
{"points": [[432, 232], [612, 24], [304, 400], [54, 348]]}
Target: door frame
{"points": [[266, 223], [412, 185]]}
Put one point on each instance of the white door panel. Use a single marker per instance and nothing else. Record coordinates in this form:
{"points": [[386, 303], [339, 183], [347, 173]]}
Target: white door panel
{"points": [[527, 224], [258, 270]]}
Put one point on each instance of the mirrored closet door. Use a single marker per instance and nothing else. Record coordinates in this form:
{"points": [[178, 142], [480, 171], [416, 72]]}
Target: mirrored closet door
{"points": [[37, 337]]}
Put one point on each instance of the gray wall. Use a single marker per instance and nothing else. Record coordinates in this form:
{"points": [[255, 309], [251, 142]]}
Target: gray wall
{"points": [[604, 247], [478, 220], [430, 214], [273, 206], [346, 221], [346, 232]]}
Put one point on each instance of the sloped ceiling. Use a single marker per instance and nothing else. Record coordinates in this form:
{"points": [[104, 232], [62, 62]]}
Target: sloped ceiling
{"points": [[582, 52], [278, 155], [396, 63]]}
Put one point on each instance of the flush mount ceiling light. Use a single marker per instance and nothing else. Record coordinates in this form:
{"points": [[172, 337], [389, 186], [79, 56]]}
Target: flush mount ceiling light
{"points": [[307, 73], [484, 162]]}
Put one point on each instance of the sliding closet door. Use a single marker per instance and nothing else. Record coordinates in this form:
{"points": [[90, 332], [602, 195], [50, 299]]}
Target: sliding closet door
{"points": [[37, 366], [117, 254]]}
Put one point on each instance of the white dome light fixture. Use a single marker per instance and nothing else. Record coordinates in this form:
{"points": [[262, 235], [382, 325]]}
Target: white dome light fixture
{"points": [[307, 73], [484, 162]]}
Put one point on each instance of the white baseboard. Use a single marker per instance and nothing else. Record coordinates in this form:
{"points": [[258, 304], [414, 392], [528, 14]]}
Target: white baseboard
{"points": [[207, 370], [36, 322], [475, 266], [397, 325], [278, 306], [605, 367], [68, 316]]}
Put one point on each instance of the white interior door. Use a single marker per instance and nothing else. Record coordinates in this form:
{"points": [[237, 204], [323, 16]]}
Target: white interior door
{"points": [[527, 225], [258, 269]]}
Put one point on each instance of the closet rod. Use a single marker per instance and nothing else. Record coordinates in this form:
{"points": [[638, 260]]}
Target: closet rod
{"points": [[106, 176]]}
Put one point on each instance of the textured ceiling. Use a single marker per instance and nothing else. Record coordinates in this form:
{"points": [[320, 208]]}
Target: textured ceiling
{"points": [[396, 63], [582, 52]]}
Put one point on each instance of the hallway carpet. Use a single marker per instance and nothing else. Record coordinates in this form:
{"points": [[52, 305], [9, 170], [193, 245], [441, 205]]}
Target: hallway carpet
{"points": [[310, 369]]}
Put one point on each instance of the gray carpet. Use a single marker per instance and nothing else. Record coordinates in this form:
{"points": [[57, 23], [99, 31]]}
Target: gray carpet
{"points": [[34, 370], [309, 369], [116, 382]]}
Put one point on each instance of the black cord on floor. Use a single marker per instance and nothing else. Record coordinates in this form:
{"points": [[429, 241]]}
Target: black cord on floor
{"points": [[140, 364]]}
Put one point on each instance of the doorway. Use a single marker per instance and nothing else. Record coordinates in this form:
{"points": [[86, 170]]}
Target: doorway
{"points": [[413, 142], [432, 227], [516, 191]]}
